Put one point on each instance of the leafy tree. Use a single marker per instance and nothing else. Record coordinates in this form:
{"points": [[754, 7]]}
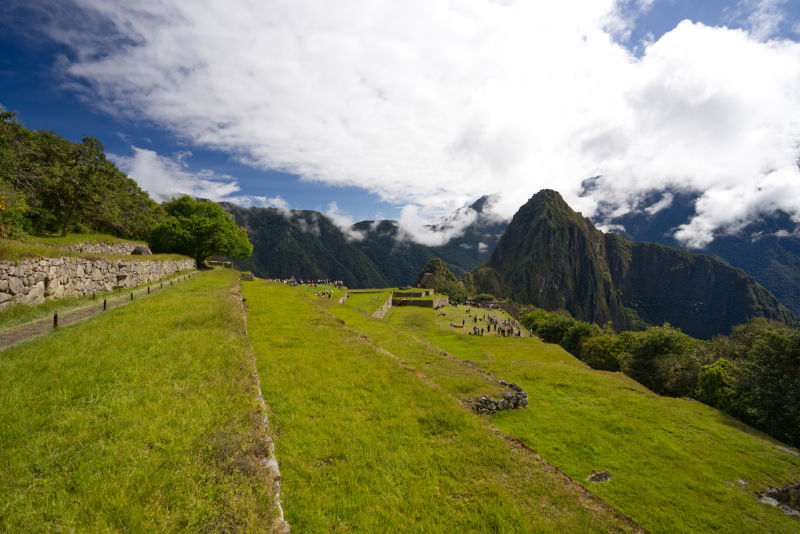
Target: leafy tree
{"points": [[716, 384], [201, 230], [606, 352], [576, 335], [768, 389], [656, 354]]}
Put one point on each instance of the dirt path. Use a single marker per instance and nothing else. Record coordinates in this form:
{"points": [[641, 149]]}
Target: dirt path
{"points": [[15, 334]]}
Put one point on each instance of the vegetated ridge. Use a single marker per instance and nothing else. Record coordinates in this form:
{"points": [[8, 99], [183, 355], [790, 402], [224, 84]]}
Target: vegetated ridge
{"points": [[554, 258], [307, 244], [768, 249]]}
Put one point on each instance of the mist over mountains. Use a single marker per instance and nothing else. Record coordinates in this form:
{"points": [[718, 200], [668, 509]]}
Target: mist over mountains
{"points": [[308, 244]]}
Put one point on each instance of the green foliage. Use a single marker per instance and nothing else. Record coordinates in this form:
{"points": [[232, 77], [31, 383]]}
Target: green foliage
{"points": [[606, 352], [716, 384], [484, 297], [469, 283], [438, 268], [51, 184], [661, 359], [200, 230], [768, 390], [12, 211]]}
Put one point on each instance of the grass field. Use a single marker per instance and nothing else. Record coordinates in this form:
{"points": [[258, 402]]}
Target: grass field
{"points": [[367, 443], [678, 465], [143, 418]]}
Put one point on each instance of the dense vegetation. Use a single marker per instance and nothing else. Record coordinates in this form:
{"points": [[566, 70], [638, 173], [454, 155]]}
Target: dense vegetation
{"points": [[49, 184], [199, 229], [753, 374]]}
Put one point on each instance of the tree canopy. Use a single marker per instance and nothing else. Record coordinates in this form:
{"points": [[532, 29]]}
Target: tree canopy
{"points": [[50, 184], [199, 229]]}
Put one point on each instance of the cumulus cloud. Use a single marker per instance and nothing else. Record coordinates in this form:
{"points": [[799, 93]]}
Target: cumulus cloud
{"points": [[167, 177], [345, 223], [413, 226], [433, 104]]}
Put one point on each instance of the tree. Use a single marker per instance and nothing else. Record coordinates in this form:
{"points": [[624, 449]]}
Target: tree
{"points": [[201, 230]]}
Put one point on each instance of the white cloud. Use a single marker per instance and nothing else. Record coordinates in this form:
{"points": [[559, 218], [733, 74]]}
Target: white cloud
{"points": [[662, 204], [415, 227], [164, 178], [763, 18], [432, 104], [345, 223]]}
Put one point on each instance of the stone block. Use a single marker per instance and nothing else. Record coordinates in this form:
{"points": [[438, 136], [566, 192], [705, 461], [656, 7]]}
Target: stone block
{"points": [[15, 285], [5, 297]]}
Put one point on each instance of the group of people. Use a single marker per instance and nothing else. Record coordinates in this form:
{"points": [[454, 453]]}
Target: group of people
{"points": [[338, 284], [504, 327]]}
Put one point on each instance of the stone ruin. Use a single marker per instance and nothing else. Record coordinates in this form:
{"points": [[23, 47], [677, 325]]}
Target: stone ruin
{"points": [[517, 398]]}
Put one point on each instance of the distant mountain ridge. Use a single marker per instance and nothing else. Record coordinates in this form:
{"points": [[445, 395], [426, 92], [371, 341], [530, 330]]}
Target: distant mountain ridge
{"points": [[768, 250], [307, 244], [554, 258]]}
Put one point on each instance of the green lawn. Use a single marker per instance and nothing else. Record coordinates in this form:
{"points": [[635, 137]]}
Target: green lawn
{"points": [[369, 443], [677, 464], [143, 418]]}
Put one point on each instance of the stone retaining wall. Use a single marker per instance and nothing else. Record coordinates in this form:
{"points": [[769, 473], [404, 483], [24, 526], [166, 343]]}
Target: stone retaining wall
{"points": [[381, 312], [431, 303], [101, 247], [30, 282]]}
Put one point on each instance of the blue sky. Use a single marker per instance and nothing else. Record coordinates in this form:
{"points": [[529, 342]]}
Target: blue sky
{"points": [[408, 111]]}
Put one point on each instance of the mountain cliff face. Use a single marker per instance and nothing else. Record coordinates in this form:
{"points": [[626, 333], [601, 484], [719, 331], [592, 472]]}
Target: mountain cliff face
{"points": [[554, 258], [768, 249]]}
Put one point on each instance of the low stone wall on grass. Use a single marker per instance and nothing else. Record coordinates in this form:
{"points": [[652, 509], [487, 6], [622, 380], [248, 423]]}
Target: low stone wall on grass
{"points": [[30, 282]]}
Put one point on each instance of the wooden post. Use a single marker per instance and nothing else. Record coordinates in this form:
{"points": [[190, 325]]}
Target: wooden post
{"points": [[55, 320], [131, 296], [104, 304], [148, 290]]}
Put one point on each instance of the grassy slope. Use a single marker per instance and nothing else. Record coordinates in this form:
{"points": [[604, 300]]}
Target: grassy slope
{"points": [[366, 445], [140, 419], [73, 239], [676, 463]]}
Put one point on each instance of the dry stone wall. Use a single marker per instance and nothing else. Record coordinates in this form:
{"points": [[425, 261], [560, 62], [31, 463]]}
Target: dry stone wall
{"points": [[30, 282], [101, 247]]}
